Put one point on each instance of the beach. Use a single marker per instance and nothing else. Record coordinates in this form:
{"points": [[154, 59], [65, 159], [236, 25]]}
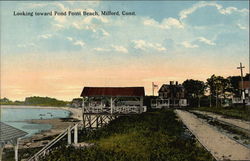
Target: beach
{"points": [[58, 125]]}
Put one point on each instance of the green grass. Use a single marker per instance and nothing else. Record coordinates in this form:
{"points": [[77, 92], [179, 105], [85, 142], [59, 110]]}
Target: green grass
{"points": [[233, 112], [155, 136]]}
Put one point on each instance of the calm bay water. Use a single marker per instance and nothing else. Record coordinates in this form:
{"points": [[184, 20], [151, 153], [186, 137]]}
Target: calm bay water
{"points": [[17, 116]]}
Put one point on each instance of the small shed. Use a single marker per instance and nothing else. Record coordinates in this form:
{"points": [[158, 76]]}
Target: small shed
{"points": [[100, 105], [10, 135]]}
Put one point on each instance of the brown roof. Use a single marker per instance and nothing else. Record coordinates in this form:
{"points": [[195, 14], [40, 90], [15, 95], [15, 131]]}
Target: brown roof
{"points": [[113, 91], [246, 84]]}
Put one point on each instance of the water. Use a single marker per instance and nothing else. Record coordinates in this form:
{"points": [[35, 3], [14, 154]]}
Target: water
{"points": [[16, 117]]}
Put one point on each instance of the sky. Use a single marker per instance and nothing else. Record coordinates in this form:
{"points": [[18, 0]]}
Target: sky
{"points": [[57, 56]]}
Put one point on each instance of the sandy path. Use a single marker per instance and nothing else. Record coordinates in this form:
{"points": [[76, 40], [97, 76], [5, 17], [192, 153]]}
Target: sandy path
{"points": [[240, 123], [220, 146]]}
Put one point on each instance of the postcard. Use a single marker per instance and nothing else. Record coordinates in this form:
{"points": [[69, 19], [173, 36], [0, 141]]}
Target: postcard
{"points": [[124, 80]]}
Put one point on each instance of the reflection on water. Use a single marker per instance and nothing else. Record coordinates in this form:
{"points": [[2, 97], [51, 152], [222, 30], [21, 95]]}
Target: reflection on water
{"points": [[16, 117]]}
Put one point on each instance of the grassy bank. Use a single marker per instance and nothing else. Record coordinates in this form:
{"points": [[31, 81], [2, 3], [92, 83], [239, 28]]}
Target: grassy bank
{"points": [[233, 112], [149, 136]]}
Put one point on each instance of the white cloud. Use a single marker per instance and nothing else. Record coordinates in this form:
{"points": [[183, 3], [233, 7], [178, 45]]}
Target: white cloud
{"points": [[26, 45], [143, 45], [70, 38], [61, 6], [187, 44], [88, 23], [229, 10], [87, 3], [104, 33], [184, 13], [45, 36], [113, 47], [120, 48], [166, 23], [36, 5], [75, 42], [58, 26], [242, 27], [21, 45], [101, 49], [60, 19], [79, 42], [206, 41], [172, 22], [91, 23], [76, 25], [140, 44]]}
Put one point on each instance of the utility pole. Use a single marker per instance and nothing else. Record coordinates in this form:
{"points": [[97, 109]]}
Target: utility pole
{"points": [[153, 88], [241, 73], [210, 101]]}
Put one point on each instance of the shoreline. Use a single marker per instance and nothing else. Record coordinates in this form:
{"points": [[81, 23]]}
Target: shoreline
{"points": [[31, 106], [58, 125], [44, 137], [74, 112]]}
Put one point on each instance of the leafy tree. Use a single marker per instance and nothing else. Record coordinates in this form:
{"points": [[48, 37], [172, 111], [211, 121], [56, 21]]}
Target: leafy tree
{"points": [[234, 81], [194, 89], [247, 77], [5, 100], [218, 87]]}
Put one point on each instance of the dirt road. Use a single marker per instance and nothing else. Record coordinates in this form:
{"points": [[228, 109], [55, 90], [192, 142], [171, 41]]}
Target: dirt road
{"points": [[220, 146]]}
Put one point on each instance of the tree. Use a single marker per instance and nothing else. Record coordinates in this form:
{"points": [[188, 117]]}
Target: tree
{"points": [[234, 82], [194, 89], [218, 87], [5, 100]]}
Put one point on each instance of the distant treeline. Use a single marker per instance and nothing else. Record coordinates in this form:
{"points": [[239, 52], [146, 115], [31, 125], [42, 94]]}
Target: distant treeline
{"points": [[215, 91], [36, 101]]}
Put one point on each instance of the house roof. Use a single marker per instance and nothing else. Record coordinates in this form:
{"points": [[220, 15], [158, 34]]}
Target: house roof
{"points": [[164, 87], [9, 133], [113, 91]]}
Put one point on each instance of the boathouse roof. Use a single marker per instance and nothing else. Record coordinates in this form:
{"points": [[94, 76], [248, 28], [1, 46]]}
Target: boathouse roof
{"points": [[9, 134], [113, 91]]}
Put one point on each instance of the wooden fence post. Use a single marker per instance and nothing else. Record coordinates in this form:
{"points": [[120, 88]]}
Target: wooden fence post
{"points": [[69, 135]]}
